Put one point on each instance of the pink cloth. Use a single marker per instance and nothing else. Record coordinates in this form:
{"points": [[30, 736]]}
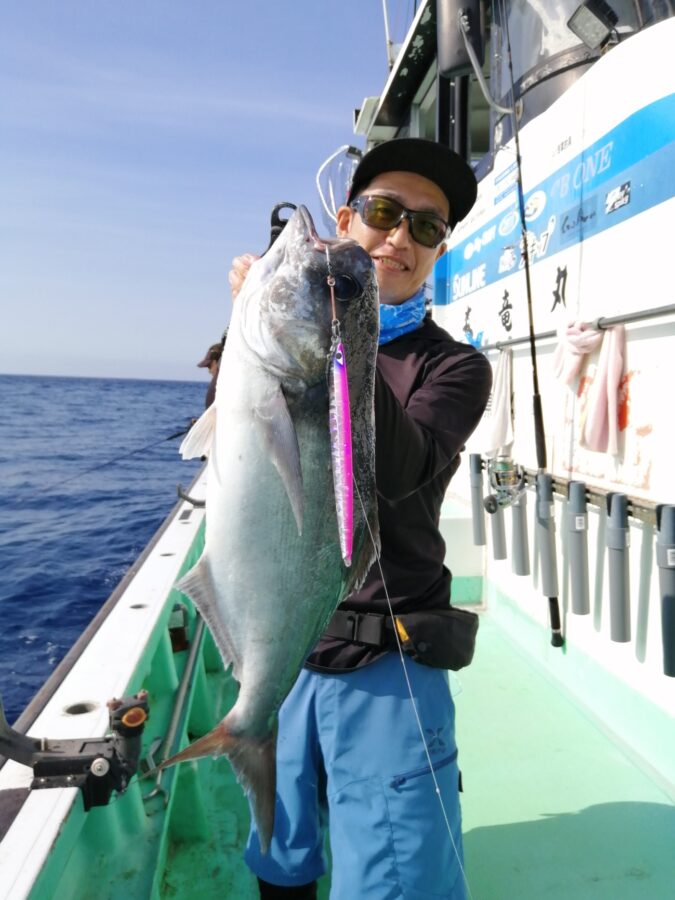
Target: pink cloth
{"points": [[577, 340], [600, 427]]}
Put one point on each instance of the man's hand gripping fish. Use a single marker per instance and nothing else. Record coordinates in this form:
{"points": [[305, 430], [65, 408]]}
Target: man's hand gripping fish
{"points": [[272, 571]]}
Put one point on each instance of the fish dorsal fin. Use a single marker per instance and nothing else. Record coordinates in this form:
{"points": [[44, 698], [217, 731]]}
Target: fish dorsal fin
{"points": [[199, 438], [275, 424]]}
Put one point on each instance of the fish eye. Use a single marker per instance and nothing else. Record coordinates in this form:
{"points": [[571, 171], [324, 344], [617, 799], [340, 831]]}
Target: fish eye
{"points": [[346, 287]]}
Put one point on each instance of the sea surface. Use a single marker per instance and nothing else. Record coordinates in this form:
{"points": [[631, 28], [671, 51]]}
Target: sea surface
{"points": [[88, 472]]}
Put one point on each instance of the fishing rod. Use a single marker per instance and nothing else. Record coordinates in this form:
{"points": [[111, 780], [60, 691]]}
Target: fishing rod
{"points": [[504, 475], [545, 522]]}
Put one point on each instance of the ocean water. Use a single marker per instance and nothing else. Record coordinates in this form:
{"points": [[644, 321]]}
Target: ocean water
{"points": [[88, 472]]}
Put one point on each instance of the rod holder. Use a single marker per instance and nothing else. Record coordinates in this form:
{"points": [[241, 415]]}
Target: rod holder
{"points": [[577, 542], [665, 560], [618, 542], [498, 533], [519, 541], [477, 511], [545, 527]]}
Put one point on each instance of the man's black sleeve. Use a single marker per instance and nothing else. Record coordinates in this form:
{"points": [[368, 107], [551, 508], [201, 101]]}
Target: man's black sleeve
{"points": [[416, 443]]}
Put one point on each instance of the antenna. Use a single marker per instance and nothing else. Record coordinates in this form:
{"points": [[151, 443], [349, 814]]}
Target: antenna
{"points": [[387, 35]]}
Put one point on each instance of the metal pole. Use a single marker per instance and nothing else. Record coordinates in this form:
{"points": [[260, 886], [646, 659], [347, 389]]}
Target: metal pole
{"points": [[643, 510], [387, 37], [602, 322]]}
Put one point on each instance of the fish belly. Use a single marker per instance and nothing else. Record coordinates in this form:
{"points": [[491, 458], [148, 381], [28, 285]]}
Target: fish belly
{"points": [[274, 588]]}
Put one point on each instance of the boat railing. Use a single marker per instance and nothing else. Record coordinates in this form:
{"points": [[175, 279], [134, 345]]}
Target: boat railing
{"points": [[603, 322]]}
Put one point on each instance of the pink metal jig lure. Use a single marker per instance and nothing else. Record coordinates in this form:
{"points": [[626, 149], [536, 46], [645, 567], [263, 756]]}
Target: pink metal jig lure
{"points": [[339, 418]]}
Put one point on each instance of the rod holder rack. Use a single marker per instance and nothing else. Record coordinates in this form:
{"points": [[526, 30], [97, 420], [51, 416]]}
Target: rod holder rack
{"points": [[642, 510]]}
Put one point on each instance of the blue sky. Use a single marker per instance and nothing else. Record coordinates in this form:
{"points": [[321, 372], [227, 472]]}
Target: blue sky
{"points": [[142, 146]]}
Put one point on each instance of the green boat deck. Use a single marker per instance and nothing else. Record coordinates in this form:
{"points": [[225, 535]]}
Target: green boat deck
{"points": [[553, 807]]}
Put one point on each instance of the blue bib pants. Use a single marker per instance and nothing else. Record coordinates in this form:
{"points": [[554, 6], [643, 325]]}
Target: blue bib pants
{"points": [[349, 753]]}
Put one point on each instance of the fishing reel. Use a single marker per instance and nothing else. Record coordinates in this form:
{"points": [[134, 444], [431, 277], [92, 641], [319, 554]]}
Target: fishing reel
{"points": [[507, 482]]}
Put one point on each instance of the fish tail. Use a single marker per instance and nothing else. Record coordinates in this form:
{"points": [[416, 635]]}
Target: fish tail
{"points": [[215, 743], [254, 764]]}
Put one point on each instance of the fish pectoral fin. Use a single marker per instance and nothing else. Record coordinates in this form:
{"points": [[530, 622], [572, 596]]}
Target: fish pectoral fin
{"points": [[275, 424], [199, 438], [198, 585]]}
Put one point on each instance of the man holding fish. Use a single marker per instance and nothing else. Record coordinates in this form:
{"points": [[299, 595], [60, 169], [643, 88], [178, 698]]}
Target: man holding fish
{"points": [[366, 734]]}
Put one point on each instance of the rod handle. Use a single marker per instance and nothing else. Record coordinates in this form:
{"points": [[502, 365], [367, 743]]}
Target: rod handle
{"points": [[539, 436]]}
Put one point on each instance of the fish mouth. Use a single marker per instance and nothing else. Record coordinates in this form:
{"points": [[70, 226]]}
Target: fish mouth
{"points": [[346, 286], [310, 230], [311, 234]]}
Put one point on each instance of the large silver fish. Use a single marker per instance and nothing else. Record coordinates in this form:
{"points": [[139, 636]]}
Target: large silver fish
{"points": [[272, 571]]}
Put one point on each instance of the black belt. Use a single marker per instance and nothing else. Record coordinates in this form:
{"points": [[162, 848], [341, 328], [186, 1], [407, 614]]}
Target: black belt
{"points": [[440, 638], [375, 629]]}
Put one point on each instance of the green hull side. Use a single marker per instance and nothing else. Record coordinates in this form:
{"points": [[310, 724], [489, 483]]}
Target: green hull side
{"points": [[186, 840], [554, 804]]}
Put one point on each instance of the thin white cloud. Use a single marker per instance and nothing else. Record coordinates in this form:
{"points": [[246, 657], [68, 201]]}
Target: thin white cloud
{"points": [[51, 91], [46, 106]]}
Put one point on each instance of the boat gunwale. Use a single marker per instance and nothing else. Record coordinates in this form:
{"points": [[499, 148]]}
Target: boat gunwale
{"points": [[13, 799], [45, 693]]}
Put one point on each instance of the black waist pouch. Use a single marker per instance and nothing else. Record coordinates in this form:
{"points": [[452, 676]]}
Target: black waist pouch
{"points": [[441, 638]]}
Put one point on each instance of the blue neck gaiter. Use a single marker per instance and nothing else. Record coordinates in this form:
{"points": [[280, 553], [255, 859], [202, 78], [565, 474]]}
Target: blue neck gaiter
{"points": [[400, 319]]}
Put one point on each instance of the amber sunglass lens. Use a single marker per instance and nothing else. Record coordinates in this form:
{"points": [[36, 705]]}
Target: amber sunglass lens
{"points": [[385, 213], [426, 231], [378, 212]]}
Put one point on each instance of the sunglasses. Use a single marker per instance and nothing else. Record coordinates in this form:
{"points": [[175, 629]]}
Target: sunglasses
{"points": [[384, 213]]}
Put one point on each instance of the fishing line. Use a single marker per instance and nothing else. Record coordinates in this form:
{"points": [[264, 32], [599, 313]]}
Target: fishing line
{"points": [[61, 516], [111, 461], [336, 327], [420, 727]]}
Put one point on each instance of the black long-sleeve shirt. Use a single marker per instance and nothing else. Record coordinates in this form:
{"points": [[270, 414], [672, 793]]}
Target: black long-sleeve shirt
{"points": [[430, 393]]}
